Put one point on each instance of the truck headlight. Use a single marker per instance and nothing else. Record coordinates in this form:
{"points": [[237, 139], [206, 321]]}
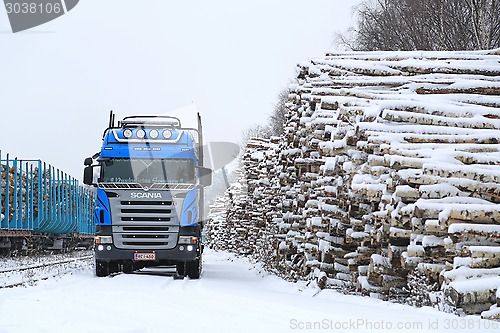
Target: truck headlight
{"points": [[104, 240], [188, 240]]}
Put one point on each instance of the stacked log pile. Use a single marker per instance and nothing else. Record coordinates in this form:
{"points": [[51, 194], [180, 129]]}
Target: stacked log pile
{"points": [[20, 190], [33, 193], [26, 187], [238, 219], [11, 191], [389, 166]]}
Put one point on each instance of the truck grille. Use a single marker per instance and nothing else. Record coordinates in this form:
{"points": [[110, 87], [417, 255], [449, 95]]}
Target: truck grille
{"points": [[143, 225]]}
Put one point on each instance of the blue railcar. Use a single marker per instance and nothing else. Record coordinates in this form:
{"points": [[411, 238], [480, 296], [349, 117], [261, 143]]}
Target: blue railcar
{"points": [[149, 206], [40, 201]]}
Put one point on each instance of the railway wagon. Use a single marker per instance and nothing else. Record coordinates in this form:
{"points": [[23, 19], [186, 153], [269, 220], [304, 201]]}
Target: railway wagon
{"points": [[42, 208]]}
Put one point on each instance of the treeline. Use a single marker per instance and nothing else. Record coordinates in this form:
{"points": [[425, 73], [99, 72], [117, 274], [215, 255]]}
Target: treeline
{"points": [[392, 25], [276, 121]]}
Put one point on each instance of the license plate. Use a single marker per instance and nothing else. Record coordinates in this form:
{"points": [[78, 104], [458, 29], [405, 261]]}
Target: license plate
{"points": [[144, 256]]}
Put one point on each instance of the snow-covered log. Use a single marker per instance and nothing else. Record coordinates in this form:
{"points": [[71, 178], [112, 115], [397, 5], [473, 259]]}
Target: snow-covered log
{"points": [[473, 296]]}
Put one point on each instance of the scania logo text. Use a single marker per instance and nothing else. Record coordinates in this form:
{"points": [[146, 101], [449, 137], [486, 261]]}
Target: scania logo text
{"points": [[144, 195]]}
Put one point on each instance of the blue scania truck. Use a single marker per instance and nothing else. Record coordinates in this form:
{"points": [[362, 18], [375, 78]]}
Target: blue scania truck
{"points": [[150, 183]]}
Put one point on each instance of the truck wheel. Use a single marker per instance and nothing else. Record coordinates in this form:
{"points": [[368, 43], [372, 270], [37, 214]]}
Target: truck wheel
{"points": [[113, 267], [128, 268], [180, 267], [101, 268], [193, 268]]}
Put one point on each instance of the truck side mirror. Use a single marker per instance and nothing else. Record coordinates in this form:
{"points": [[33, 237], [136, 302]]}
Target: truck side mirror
{"points": [[88, 161], [205, 176], [88, 175]]}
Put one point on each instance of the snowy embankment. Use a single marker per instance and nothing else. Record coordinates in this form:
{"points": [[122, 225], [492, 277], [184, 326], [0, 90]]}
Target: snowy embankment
{"points": [[25, 271], [386, 180], [233, 295]]}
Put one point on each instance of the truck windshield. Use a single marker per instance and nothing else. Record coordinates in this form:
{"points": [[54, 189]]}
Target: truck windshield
{"points": [[147, 171]]}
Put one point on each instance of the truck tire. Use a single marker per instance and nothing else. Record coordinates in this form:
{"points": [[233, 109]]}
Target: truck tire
{"points": [[128, 268], [114, 267], [180, 267], [101, 268], [193, 268]]}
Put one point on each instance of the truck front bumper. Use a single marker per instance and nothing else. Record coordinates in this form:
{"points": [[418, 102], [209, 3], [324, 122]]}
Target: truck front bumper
{"points": [[108, 252]]}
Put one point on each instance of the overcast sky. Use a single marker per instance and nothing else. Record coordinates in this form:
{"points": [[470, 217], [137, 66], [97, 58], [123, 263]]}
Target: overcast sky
{"points": [[231, 58]]}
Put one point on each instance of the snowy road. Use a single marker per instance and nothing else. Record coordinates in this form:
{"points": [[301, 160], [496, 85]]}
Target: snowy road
{"points": [[232, 296]]}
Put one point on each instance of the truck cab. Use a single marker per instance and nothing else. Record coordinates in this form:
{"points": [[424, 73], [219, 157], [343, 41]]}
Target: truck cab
{"points": [[150, 193]]}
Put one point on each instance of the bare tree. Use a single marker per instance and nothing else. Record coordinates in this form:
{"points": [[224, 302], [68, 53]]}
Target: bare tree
{"points": [[425, 25], [278, 118], [485, 21], [276, 122], [256, 131]]}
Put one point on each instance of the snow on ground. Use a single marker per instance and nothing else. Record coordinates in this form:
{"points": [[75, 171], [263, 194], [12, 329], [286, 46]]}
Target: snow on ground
{"points": [[34, 268], [232, 296]]}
